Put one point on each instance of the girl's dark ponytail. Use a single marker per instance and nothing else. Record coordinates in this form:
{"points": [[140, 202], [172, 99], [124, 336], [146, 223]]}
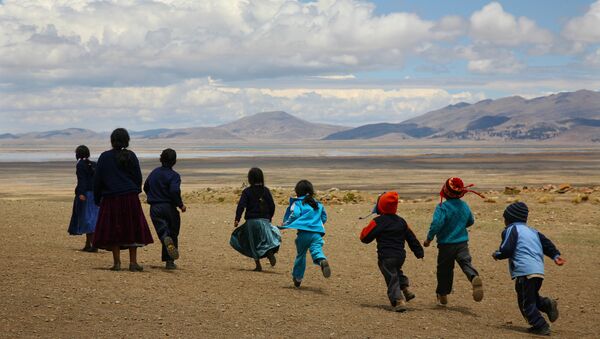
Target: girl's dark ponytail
{"points": [[82, 152], [119, 139], [305, 189]]}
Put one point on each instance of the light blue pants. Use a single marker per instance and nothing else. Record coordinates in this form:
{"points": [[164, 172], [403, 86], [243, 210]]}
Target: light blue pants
{"points": [[307, 241]]}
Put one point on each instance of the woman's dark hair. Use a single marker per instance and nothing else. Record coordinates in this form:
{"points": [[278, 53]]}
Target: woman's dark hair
{"points": [[119, 139], [82, 152], [305, 189], [168, 157], [256, 177]]}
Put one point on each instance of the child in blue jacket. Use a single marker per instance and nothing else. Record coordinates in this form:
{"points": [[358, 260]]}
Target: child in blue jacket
{"points": [[307, 216], [450, 221], [525, 247]]}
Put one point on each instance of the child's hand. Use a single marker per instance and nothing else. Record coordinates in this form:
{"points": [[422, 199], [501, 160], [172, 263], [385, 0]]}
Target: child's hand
{"points": [[426, 243], [183, 208], [559, 261], [82, 197], [236, 223], [494, 256]]}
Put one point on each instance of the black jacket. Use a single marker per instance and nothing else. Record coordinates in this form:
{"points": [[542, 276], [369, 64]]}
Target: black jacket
{"points": [[251, 202], [391, 231]]}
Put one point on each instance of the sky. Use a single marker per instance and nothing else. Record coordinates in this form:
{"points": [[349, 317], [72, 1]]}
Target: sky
{"points": [[145, 64]]}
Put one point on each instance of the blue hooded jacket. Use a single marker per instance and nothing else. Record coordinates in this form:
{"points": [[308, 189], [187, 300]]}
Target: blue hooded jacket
{"points": [[303, 217], [525, 247]]}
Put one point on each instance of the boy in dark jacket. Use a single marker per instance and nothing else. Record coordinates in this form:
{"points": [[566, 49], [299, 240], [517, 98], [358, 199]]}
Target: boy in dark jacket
{"points": [[525, 247], [163, 191], [391, 231]]}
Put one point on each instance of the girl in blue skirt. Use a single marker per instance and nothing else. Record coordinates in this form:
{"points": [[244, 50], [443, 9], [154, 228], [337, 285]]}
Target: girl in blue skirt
{"points": [[256, 238], [85, 211]]}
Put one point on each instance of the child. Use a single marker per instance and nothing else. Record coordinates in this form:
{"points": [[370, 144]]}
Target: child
{"points": [[85, 211], [256, 238], [163, 192], [450, 221], [391, 231], [121, 220], [307, 216], [525, 247]]}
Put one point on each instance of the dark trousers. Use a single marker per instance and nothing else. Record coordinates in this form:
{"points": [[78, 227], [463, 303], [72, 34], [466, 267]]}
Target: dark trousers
{"points": [[391, 268], [530, 301], [167, 222], [447, 255]]}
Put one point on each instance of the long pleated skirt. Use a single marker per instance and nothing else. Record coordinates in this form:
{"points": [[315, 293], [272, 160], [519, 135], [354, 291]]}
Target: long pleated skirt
{"points": [[121, 222], [255, 238], [84, 216]]}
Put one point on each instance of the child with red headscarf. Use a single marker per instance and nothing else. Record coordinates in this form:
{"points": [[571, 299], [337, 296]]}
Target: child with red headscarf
{"points": [[450, 221], [391, 232]]}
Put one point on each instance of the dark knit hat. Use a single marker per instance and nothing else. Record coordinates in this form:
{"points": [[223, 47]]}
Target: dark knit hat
{"points": [[517, 211]]}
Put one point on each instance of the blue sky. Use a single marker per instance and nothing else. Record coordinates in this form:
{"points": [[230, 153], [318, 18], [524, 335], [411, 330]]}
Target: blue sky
{"points": [[168, 63]]}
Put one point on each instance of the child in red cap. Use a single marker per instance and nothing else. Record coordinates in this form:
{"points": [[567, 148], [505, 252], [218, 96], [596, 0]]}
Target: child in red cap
{"points": [[390, 231], [450, 221]]}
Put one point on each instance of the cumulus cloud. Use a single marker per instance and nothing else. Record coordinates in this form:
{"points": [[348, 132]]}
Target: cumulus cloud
{"points": [[204, 102], [493, 25], [586, 28], [163, 41]]}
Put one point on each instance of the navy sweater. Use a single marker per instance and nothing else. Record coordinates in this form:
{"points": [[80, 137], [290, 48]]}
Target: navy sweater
{"points": [[111, 180], [163, 185], [85, 176], [391, 231], [250, 201]]}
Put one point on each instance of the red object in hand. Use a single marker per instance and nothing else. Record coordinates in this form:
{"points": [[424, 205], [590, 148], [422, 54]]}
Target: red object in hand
{"points": [[560, 261]]}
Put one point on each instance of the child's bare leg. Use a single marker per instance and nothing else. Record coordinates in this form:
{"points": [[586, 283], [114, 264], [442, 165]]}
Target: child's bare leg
{"points": [[133, 265], [116, 251]]}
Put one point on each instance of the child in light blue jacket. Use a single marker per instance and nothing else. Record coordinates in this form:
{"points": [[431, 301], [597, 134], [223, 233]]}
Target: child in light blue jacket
{"points": [[525, 247], [307, 216]]}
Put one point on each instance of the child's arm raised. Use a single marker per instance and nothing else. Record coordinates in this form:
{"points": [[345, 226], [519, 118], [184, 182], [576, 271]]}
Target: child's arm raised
{"points": [[369, 233], [550, 250]]}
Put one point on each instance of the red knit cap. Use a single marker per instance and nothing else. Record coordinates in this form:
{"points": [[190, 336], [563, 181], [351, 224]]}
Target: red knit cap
{"points": [[454, 188]]}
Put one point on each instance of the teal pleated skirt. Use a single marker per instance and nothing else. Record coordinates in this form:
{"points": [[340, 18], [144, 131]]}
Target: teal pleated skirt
{"points": [[255, 238]]}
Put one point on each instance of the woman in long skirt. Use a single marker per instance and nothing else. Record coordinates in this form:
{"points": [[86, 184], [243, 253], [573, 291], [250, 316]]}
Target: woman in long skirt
{"points": [[256, 238], [117, 184], [85, 211]]}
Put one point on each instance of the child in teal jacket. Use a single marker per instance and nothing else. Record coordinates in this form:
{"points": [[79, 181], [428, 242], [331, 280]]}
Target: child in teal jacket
{"points": [[307, 216], [450, 221]]}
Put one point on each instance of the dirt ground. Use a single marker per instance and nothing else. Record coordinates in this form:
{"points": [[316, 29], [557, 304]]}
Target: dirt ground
{"points": [[51, 289]]}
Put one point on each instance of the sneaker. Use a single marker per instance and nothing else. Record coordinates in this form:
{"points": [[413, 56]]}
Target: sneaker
{"points": [[442, 300], [408, 295], [170, 265], [135, 268], [90, 249], [400, 306], [553, 311], [171, 248], [544, 330], [477, 284], [296, 282], [116, 267], [271, 257], [325, 268]]}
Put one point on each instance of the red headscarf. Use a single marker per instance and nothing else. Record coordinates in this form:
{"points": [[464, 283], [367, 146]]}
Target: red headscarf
{"points": [[454, 188]]}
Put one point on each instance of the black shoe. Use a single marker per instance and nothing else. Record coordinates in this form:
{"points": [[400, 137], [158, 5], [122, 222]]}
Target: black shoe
{"points": [[325, 268], [272, 259], [296, 282], [553, 311], [408, 295], [90, 249], [135, 268], [544, 330], [170, 265], [116, 267], [258, 267], [171, 248]]}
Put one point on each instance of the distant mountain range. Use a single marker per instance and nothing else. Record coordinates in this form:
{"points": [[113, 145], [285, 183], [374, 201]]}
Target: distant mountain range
{"points": [[569, 116], [562, 117]]}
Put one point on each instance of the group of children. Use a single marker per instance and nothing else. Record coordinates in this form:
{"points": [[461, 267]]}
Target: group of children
{"points": [[115, 181]]}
